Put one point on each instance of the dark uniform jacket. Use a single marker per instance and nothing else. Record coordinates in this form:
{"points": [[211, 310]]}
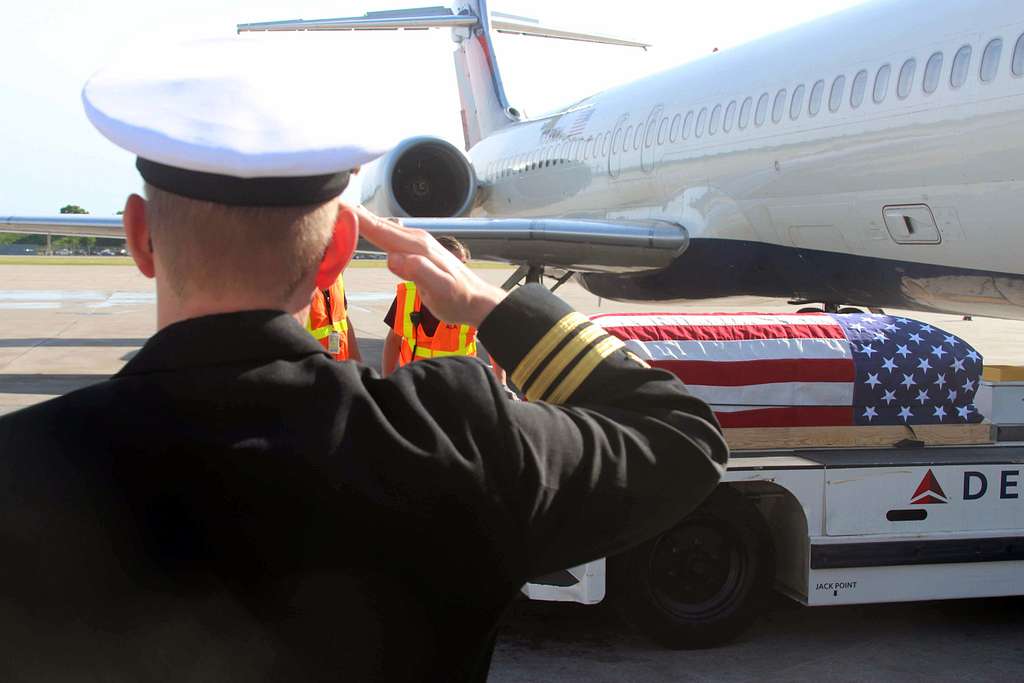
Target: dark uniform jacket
{"points": [[237, 506]]}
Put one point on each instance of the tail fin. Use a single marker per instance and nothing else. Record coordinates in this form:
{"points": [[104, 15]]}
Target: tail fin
{"points": [[485, 107]]}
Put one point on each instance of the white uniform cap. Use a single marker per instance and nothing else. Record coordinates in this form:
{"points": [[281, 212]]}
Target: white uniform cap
{"points": [[238, 121]]}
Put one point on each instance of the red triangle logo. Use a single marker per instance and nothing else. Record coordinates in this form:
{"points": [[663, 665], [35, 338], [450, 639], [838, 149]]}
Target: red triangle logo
{"points": [[929, 492]]}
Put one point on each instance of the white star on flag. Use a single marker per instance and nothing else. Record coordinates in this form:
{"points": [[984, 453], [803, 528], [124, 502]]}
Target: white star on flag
{"points": [[902, 321], [916, 338], [880, 336], [951, 340], [964, 412], [923, 364], [940, 413], [927, 329], [974, 356], [941, 381], [856, 326], [872, 381], [903, 350], [870, 413], [958, 365], [952, 396], [938, 351], [889, 397], [908, 381], [906, 414], [889, 364], [968, 385], [868, 350], [922, 396], [890, 328]]}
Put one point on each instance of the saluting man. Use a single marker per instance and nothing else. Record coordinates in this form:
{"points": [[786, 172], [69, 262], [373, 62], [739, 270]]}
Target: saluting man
{"points": [[263, 512]]}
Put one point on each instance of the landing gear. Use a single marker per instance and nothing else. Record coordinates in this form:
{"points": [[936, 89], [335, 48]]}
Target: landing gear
{"points": [[535, 275], [698, 584]]}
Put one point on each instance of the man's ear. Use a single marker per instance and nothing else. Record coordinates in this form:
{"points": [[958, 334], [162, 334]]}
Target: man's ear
{"points": [[341, 247], [136, 232]]}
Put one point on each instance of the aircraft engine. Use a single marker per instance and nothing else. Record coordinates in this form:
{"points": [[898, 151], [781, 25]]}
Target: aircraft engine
{"points": [[423, 177]]}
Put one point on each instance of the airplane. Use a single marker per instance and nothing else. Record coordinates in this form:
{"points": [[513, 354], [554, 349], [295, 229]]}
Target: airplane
{"points": [[869, 158]]}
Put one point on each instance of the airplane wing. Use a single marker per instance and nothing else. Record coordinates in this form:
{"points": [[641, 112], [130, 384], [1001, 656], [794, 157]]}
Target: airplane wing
{"points": [[569, 244]]}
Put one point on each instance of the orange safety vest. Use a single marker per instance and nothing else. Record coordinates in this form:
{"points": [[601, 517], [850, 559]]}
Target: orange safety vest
{"points": [[328, 318], [448, 340]]}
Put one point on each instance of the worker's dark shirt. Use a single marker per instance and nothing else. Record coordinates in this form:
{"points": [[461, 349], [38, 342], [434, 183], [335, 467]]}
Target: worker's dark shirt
{"points": [[236, 505], [428, 321]]}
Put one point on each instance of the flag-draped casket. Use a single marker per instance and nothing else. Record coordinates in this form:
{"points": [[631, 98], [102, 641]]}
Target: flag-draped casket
{"points": [[815, 369]]}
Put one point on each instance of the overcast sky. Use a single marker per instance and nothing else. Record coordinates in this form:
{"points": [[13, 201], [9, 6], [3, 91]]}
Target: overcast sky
{"points": [[52, 156]]}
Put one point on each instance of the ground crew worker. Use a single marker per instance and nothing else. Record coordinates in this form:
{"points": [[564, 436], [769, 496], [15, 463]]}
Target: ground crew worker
{"points": [[262, 512], [414, 333], [329, 323]]}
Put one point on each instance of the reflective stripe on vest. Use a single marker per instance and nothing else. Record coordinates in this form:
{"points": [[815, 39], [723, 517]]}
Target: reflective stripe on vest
{"points": [[445, 341], [322, 321]]}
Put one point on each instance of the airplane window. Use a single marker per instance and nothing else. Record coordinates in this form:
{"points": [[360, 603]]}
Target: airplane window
{"points": [[730, 116], [662, 131], [745, 112], [673, 131], [932, 72], [798, 102], [1018, 57], [638, 137], [906, 81], [716, 116], [815, 104], [780, 106], [835, 98], [702, 117], [860, 84], [762, 109], [688, 125], [625, 140], [882, 84], [961, 65], [990, 60]]}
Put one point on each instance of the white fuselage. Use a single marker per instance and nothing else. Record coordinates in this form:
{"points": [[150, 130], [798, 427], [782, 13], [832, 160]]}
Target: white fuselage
{"points": [[799, 188]]}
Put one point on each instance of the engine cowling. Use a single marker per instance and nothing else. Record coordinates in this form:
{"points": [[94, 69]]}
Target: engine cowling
{"points": [[423, 177]]}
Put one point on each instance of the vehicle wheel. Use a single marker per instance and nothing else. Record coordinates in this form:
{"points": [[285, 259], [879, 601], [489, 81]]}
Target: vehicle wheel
{"points": [[850, 309], [811, 309], [698, 584]]}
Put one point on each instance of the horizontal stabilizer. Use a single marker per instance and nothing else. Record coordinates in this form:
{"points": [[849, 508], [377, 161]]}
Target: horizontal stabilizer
{"points": [[419, 18], [507, 23], [435, 17]]}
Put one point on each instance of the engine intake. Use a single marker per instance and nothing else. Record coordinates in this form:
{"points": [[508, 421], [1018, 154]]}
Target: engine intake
{"points": [[423, 177]]}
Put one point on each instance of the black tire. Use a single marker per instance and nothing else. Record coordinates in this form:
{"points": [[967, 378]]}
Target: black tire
{"points": [[697, 585], [811, 309]]}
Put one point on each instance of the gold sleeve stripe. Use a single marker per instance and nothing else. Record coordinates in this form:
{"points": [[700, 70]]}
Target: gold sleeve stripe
{"points": [[577, 345], [587, 365], [562, 329]]}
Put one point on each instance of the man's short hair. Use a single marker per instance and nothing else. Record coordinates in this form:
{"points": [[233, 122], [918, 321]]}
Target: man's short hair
{"points": [[209, 247], [454, 246]]}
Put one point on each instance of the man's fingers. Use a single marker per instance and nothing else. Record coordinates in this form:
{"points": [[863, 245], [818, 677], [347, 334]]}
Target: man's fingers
{"points": [[390, 235]]}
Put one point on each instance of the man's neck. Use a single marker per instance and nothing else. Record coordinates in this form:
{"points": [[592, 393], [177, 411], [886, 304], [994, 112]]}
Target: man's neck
{"points": [[170, 309]]}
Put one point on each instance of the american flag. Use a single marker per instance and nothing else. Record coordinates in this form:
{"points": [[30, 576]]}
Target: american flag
{"points": [[774, 370]]}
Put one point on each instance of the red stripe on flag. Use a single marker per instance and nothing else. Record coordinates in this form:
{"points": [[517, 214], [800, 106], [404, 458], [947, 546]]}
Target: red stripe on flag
{"points": [[710, 333], [741, 373], [823, 416]]}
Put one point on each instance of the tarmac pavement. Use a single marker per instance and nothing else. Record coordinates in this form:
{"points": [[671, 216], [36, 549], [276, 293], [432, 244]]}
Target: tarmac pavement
{"points": [[64, 327]]}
